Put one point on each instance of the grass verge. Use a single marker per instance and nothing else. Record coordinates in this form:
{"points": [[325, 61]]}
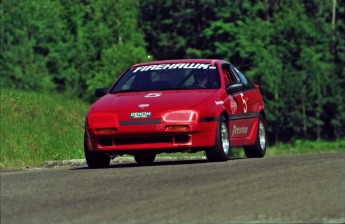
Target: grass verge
{"points": [[299, 147], [36, 127]]}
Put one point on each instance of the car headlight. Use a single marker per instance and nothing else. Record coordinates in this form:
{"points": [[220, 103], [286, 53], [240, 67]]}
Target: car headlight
{"points": [[102, 120], [181, 116]]}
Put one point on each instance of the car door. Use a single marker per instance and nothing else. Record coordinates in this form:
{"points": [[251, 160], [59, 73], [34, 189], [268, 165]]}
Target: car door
{"points": [[250, 93], [241, 122]]}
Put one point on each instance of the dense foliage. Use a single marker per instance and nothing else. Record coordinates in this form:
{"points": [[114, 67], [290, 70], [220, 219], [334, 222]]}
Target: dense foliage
{"points": [[68, 46], [294, 49]]}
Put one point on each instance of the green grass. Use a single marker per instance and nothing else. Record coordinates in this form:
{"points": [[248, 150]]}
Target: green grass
{"points": [[36, 127], [299, 147]]}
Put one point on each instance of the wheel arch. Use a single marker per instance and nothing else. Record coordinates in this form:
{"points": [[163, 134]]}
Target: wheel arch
{"points": [[263, 115], [225, 114]]}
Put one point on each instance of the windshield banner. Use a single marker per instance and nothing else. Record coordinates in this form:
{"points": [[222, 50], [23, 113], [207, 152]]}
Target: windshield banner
{"points": [[174, 66]]}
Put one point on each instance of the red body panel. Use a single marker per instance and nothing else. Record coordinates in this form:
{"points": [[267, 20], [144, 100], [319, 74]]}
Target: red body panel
{"points": [[139, 120]]}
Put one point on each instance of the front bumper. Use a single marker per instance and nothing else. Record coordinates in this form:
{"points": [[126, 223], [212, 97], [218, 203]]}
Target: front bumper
{"points": [[153, 137]]}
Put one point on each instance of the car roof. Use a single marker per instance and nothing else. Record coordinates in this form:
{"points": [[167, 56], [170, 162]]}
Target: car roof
{"points": [[204, 61]]}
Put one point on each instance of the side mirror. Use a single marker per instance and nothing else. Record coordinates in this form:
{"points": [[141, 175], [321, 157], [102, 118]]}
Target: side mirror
{"points": [[101, 92], [234, 88]]}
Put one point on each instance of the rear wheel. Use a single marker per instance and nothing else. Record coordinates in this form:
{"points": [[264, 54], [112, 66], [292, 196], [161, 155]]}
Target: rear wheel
{"points": [[258, 150], [145, 158], [221, 149], [95, 159]]}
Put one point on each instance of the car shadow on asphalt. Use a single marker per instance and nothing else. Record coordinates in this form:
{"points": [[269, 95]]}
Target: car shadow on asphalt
{"points": [[132, 164]]}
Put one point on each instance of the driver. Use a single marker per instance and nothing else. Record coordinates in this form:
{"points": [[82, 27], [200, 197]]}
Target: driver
{"points": [[200, 79]]}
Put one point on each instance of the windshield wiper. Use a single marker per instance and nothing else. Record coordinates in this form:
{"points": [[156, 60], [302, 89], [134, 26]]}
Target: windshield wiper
{"points": [[132, 90], [124, 91]]}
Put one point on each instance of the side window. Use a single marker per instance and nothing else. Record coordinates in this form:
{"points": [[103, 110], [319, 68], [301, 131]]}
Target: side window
{"points": [[226, 77], [229, 75], [248, 84]]}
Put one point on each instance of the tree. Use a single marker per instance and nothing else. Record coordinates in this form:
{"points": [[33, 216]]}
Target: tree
{"points": [[66, 46], [288, 47], [174, 29], [27, 28]]}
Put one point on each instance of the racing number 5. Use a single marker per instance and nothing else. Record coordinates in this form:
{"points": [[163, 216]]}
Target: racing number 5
{"points": [[244, 103]]}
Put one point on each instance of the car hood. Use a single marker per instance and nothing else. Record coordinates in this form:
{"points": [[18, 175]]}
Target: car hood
{"points": [[151, 101]]}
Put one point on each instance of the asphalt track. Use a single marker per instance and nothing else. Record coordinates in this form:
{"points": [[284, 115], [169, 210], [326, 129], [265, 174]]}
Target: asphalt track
{"points": [[287, 189]]}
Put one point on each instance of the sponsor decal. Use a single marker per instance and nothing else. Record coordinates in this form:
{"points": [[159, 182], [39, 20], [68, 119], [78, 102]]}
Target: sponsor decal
{"points": [[142, 106], [244, 103], [239, 130], [140, 114], [173, 66], [153, 95], [219, 103]]}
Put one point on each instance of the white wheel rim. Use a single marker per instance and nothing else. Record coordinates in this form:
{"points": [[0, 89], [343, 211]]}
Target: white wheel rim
{"points": [[225, 138], [262, 135]]}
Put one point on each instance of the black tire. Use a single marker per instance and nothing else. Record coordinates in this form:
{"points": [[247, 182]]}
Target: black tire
{"points": [[95, 159], [145, 158], [221, 149], [258, 150]]}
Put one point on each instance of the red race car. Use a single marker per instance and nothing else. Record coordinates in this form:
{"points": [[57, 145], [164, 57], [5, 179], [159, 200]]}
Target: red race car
{"points": [[176, 106]]}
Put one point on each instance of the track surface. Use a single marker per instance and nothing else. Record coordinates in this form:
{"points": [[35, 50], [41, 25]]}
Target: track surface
{"points": [[274, 189]]}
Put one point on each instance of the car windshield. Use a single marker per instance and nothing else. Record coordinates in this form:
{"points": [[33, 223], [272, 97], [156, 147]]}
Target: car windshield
{"points": [[169, 77]]}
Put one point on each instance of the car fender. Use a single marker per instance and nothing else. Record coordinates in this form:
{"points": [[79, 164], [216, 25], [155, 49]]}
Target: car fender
{"points": [[260, 110]]}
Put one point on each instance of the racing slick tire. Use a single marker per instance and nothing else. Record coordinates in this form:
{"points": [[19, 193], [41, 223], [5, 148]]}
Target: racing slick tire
{"points": [[258, 150], [145, 158], [95, 159], [221, 149]]}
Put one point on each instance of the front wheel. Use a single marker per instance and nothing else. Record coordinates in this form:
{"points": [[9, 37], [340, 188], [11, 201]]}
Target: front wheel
{"points": [[221, 149], [258, 150], [95, 159]]}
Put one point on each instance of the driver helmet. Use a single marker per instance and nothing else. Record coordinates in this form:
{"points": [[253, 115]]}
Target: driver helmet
{"points": [[201, 77]]}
